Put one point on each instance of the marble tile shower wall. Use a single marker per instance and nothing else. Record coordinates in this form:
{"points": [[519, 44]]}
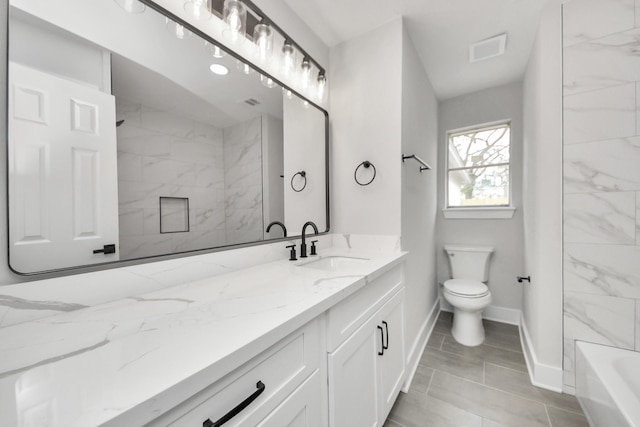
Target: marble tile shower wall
{"points": [[243, 181], [161, 154], [601, 175]]}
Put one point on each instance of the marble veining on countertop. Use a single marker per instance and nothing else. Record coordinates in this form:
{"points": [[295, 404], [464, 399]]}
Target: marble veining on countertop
{"points": [[130, 360]]}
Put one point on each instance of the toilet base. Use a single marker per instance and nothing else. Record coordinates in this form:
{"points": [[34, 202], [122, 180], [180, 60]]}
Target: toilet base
{"points": [[467, 327]]}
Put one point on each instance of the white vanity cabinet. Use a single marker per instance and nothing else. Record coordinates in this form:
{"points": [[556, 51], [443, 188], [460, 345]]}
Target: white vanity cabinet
{"points": [[294, 390], [366, 362]]}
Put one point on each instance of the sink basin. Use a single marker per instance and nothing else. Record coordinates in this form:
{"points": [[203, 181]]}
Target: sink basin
{"points": [[332, 263]]}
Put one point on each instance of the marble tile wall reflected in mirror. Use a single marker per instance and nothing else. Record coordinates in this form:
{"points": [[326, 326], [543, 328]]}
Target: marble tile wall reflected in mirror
{"points": [[174, 128]]}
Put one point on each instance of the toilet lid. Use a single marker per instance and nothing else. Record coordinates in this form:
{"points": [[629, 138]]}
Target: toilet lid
{"points": [[466, 287]]}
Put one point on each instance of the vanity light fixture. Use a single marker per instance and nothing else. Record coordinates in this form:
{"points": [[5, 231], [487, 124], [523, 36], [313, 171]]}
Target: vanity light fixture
{"points": [[234, 14], [286, 92], [176, 29], [322, 84], [288, 57], [306, 73], [219, 69], [199, 9], [263, 38], [131, 6]]}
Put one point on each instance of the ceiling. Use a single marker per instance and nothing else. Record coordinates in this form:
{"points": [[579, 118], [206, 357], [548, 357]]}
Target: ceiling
{"points": [[441, 31]]}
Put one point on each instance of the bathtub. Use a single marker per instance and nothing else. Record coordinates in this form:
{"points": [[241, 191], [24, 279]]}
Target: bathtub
{"points": [[608, 384]]}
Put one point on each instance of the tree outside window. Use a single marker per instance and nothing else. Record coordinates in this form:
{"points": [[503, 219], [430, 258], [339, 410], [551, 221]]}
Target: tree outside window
{"points": [[478, 166]]}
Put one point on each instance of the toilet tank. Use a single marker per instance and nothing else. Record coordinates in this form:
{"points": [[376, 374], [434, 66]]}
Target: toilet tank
{"points": [[469, 262]]}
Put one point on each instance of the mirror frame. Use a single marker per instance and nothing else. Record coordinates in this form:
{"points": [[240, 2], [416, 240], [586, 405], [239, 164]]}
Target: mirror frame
{"points": [[174, 255]]}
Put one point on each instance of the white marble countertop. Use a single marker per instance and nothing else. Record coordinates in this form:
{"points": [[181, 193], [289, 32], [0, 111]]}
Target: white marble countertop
{"points": [[128, 361]]}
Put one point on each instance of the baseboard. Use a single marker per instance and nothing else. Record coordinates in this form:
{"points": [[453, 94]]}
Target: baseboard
{"points": [[510, 316], [502, 315], [541, 375], [419, 344]]}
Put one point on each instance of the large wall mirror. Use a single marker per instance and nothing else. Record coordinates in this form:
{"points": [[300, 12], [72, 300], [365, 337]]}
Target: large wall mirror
{"points": [[124, 143]]}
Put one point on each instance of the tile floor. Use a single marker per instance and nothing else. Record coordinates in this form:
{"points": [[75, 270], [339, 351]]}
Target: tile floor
{"points": [[484, 386]]}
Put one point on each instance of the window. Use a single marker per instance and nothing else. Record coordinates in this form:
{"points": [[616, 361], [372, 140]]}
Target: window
{"points": [[478, 167]]}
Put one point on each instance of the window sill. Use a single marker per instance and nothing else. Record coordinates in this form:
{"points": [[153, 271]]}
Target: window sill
{"points": [[479, 213]]}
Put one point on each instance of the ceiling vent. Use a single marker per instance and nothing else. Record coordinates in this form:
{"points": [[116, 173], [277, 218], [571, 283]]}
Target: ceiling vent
{"points": [[488, 48], [251, 101]]}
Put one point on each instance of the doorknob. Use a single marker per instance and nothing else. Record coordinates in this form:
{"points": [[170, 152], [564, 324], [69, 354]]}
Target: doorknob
{"points": [[106, 249]]}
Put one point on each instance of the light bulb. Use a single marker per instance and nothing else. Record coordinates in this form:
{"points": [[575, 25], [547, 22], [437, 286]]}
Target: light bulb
{"points": [[306, 73], [234, 14], [288, 57], [178, 30], [263, 38], [267, 81], [216, 51], [322, 83], [287, 92], [199, 9], [131, 6], [244, 68]]}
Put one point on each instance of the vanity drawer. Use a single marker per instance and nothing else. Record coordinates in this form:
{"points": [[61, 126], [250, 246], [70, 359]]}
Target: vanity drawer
{"points": [[281, 368], [346, 317]]}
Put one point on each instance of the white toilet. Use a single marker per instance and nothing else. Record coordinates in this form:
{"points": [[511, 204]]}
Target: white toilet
{"points": [[467, 291]]}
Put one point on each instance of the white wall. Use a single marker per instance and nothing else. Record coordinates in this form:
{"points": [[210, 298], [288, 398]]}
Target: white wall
{"points": [[59, 53], [304, 150], [365, 109], [542, 203], [418, 191], [272, 169], [505, 235]]}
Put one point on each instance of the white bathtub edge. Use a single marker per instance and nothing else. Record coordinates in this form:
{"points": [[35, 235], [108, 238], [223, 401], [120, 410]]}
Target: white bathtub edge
{"points": [[541, 375], [604, 395]]}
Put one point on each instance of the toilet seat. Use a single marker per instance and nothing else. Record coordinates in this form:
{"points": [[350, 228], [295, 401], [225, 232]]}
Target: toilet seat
{"points": [[466, 288]]}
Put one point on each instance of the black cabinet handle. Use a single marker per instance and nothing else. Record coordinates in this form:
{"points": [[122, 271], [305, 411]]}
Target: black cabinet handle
{"points": [[380, 353], [235, 411], [386, 328], [106, 249]]}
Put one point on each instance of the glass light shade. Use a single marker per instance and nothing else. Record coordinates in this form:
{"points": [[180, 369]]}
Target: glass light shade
{"points": [[198, 9], [234, 14], [267, 81], [263, 38], [244, 68], [288, 58], [131, 6], [179, 31], [322, 86], [305, 78]]}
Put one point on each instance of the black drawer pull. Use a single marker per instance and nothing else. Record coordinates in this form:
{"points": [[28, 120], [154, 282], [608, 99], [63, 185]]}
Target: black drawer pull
{"points": [[386, 328], [381, 353], [235, 411]]}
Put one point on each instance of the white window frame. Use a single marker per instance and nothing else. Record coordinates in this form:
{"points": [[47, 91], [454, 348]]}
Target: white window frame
{"points": [[478, 212]]}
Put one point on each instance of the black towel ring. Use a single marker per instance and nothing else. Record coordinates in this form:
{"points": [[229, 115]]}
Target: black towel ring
{"points": [[366, 164], [302, 174]]}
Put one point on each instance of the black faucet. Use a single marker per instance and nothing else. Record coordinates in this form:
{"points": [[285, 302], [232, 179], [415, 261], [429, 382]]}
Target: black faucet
{"points": [[303, 245], [284, 229]]}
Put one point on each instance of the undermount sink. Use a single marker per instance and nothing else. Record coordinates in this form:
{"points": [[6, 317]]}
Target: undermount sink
{"points": [[332, 263]]}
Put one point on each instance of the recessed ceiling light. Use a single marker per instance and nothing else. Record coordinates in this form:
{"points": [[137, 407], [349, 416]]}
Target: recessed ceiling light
{"points": [[219, 69]]}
